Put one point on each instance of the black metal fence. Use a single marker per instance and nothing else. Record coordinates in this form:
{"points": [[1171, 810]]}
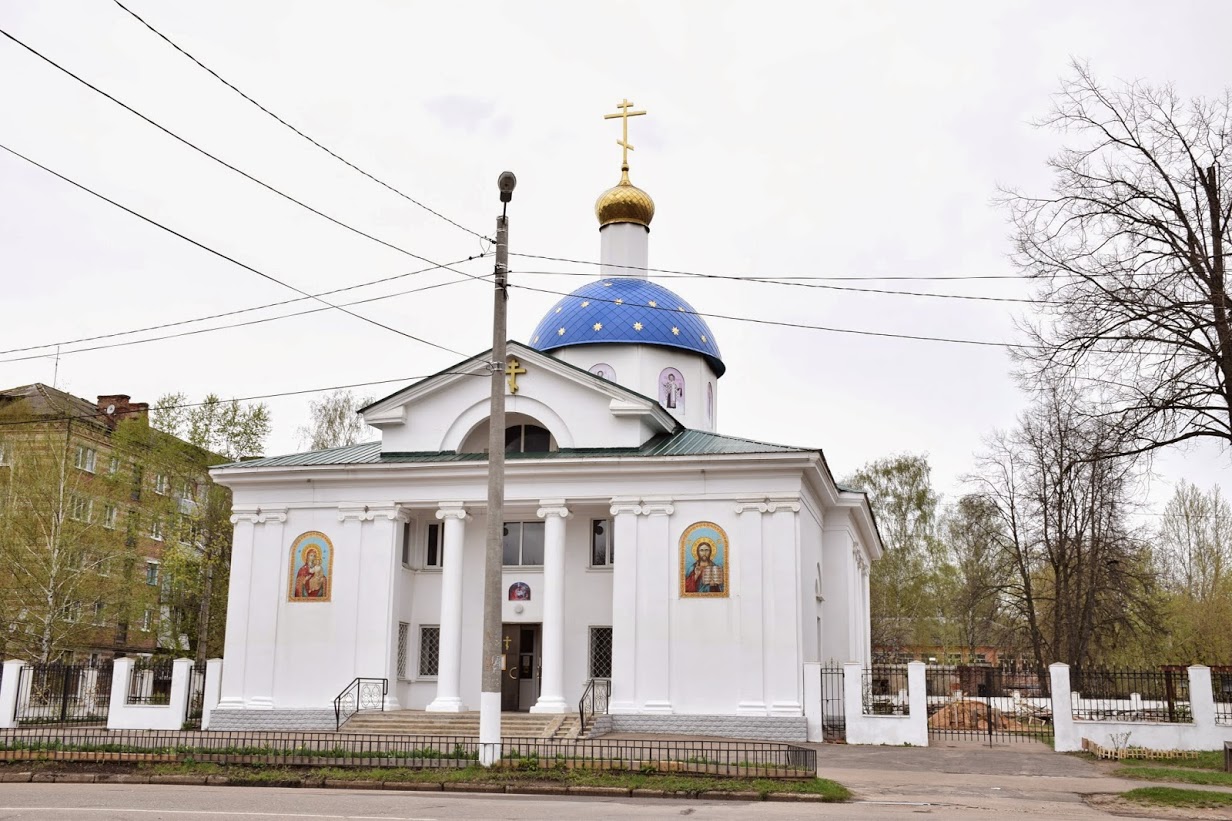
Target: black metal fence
{"points": [[833, 704], [716, 758], [149, 682], [195, 706], [1160, 696], [594, 701], [884, 689], [58, 693], [987, 703], [1221, 687]]}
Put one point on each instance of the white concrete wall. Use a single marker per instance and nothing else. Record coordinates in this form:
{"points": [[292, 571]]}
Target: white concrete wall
{"points": [[124, 716], [910, 729], [9, 691], [213, 690], [1200, 734]]}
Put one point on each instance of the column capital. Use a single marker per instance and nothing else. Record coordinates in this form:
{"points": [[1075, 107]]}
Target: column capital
{"points": [[552, 507], [258, 515], [783, 504], [657, 506], [452, 510], [626, 505], [751, 506], [370, 512]]}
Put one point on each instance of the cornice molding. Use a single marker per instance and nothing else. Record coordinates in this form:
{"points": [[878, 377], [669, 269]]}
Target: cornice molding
{"points": [[625, 505], [258, 515], [371, 512], [777, 504], [657, 506], [750, 506]]}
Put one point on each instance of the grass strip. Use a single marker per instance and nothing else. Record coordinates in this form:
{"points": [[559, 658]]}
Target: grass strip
{"points": [[1210, 760], [1209, 778], [1176, 797]]}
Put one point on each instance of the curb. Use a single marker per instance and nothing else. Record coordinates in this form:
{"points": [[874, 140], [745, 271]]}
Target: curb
{"points": [[406, 786]]}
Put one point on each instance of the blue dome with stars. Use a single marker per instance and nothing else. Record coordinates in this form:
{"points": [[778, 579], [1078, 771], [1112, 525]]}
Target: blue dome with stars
{"points": [[626, 309]]}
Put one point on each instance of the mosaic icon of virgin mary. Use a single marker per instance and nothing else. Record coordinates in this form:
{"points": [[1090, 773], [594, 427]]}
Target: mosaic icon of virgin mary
{"points": [[312, 560]]}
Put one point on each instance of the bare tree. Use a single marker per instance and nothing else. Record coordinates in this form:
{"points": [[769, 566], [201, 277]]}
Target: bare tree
{"points": [[1130, 251], [1081, 579], [335, 421]]}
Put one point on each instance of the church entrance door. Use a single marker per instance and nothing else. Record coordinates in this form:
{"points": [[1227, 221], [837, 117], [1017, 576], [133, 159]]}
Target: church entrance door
{"points": [[520, 681]]}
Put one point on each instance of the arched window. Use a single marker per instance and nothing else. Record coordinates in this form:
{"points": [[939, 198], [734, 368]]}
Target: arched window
{"points": [[527, 439]]}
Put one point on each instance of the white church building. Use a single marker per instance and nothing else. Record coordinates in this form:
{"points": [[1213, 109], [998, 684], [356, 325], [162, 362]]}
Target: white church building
{"points": [[697, 573]]}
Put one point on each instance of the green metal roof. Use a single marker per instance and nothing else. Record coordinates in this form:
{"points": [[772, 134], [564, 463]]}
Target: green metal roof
{"points": [[681, 443]]}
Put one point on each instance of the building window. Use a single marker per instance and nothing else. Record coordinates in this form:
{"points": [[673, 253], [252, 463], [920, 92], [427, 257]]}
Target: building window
{"points": [[113, 467], [4, 459], [109, 517], [527, 439], [151, 573], [523, 543], [429, 651], [601, 553], [408, 532], [434, 550], [85, 459], [147, 618], [403, 630], [600, 652], [80, 508], [161, 484], [156, 530], [98, 613]]}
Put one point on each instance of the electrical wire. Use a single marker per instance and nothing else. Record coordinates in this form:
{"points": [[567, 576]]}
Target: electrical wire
{"points": [[232, 260], [220, 161], [253, 308], [328, 151]]}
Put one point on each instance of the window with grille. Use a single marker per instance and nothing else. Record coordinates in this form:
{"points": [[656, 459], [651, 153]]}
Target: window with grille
{"points": [[601, 554], [600, 652], [403, 630], [429, 651]]}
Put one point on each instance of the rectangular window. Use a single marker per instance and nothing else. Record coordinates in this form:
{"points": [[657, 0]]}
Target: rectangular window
{"points": [[600, 542], [434, 552], [429, 651], [85, 458], [408, 532], [80, 508], [151, 573], [109, 517], [98, 613], [3, 455], [156, 530], [600, 652], [161, 484], [523, 544], [403, 630], [113, 467], [147, 619]]}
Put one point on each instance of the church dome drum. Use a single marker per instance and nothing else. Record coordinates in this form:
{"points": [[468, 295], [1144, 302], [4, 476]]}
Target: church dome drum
{"points": [[627, 310]]}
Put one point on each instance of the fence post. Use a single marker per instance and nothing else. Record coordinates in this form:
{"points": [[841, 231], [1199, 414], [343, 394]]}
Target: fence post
{"points": [[213, 690], [9, 690], [917, 700], [1064, 733], [812, 700], [853, 702], [121, 672], [181, 670], [1202, 707]]}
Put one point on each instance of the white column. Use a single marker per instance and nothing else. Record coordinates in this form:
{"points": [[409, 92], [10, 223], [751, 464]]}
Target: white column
{"points": [[375, 528], [449, 671], [866, 637], [552, 681], [750, 594], [656, 592], [781, 608], [624, 604], [235, 644]]}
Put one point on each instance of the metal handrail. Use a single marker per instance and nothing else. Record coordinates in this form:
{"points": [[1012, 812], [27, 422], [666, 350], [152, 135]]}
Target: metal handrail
{"points": [[360, 694], [592, 698]]}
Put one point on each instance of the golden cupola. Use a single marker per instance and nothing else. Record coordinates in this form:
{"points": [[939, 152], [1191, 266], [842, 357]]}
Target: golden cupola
{"points": [[624, 202]]}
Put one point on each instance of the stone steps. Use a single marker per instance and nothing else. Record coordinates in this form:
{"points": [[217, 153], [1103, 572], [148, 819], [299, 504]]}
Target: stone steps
{"points": [[416, 722]]}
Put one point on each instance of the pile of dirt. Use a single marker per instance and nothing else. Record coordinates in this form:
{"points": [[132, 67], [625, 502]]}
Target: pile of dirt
{"points": [[972, 715]]}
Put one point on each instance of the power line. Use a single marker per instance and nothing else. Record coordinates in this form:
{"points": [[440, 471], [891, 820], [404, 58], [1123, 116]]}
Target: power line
{"points": [[328, 151], [220, 161], [778, 281], [254, 308], [232, 260], [236, 324], [95, 415]]}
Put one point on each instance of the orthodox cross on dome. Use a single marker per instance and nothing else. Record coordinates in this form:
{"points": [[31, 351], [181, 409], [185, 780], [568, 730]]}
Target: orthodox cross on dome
{"points": [[513, 370], [624, 114]]}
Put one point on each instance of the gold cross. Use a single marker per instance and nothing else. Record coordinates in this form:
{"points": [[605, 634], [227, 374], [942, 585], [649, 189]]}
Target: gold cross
{"points": [[507, 642], [513, 370], [624, 114]]}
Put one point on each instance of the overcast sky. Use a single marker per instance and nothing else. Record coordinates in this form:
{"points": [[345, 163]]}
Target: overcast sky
{"points": [[846, 139]]}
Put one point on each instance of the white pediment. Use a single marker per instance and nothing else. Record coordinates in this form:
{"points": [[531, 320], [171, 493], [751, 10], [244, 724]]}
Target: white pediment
{"points": [[580, 409]]}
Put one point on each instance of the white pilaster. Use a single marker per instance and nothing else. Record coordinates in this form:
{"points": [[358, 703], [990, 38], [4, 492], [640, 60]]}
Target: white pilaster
{"points": [[9, 693], [235, 643], [266, 593], [751, 593], [449, 670], [781, 608], [376, 619], [655, 584], [552, 681], [624, 605]]}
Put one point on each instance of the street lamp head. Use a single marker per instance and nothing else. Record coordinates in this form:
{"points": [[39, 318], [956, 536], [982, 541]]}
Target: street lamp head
{"points": [[506, 182]]}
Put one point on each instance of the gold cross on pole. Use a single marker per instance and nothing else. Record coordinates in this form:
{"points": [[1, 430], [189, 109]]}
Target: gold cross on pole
{"points": [[624, 114], [512, 370]]}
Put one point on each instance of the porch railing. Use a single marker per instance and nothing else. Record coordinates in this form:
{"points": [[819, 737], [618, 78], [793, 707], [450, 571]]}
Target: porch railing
{"points": [[594, 700], [360, 694]]}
